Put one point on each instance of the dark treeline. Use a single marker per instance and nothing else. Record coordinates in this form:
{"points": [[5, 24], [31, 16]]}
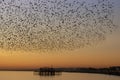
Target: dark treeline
{"points": [[115, 70]]}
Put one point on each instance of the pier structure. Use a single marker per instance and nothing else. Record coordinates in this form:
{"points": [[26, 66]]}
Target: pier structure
{"points": [[47, 71]]}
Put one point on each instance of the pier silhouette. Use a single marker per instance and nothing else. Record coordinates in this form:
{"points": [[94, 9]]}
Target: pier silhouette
{"points": [[46, 71]]}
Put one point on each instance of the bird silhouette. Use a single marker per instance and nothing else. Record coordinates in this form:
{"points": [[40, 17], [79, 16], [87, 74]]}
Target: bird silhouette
{"points": [[54, 24]]}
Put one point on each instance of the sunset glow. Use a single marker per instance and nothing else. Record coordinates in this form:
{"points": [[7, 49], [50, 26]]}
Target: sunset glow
{"points": [[61, 41]]}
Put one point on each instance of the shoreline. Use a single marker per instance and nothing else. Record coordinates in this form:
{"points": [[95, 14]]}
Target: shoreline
{"points": [[107, 71]]}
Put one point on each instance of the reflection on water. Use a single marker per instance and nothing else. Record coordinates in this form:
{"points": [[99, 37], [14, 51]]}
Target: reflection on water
{"points": [[48, 73], [29, 75]]}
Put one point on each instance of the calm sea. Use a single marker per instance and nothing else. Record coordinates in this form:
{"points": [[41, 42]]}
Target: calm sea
{"points": [[29, 75]]}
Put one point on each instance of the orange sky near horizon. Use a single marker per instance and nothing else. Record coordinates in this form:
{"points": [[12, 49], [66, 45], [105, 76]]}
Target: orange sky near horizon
{"points": [[105, 54]]}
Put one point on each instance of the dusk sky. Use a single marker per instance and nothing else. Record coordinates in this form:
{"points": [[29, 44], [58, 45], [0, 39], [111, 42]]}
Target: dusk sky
{"points": [[58, 47]]}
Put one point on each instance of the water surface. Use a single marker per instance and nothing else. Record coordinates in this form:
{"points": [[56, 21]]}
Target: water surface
{"points": [[29, 75]]}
